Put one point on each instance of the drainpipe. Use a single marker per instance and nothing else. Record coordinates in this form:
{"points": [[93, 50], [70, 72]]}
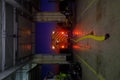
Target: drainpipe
{"points": [[3, 34], [14, 36]]}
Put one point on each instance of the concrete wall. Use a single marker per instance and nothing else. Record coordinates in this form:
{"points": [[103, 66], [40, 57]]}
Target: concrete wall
{"points": [[0, 35], [103, 16], [10, 77], [9, 38]]}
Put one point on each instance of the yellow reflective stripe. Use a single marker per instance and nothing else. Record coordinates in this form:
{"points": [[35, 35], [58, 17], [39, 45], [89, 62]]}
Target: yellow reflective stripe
{"points": [[98, 38], [99, 76]]}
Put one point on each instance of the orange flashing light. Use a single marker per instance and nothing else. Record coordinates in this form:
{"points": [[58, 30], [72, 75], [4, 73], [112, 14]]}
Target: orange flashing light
{"points": [[76, 47], [78, 33], [53, 47], [53, 32]]}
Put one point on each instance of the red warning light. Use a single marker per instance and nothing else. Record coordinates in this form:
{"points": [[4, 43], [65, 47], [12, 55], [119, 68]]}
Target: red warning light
{"points": [[62, 46], [62, 32]]}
